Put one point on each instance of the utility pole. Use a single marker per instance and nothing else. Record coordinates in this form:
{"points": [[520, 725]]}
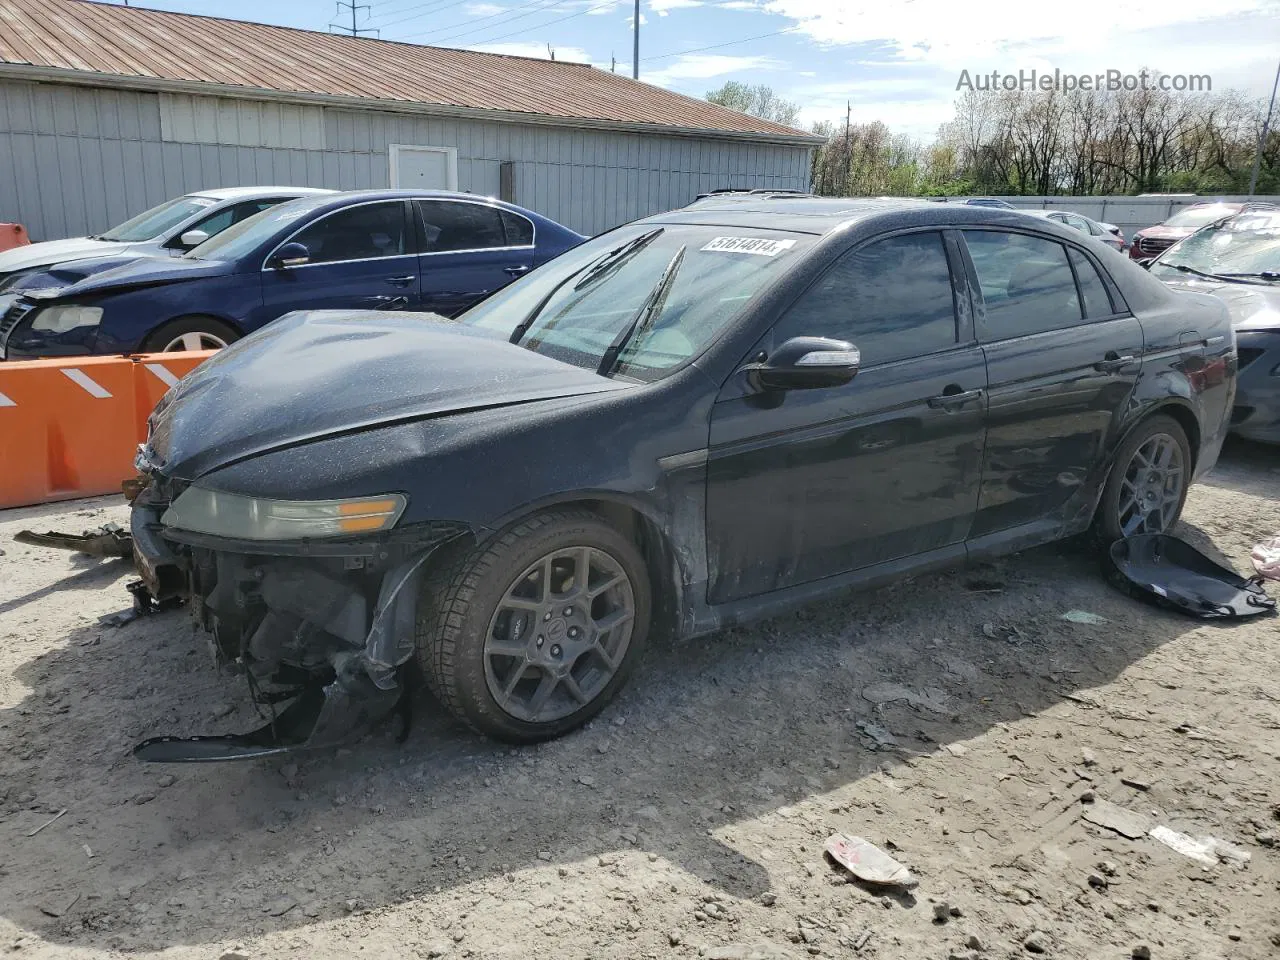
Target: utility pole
{"points": [[613, 63], [1262, 137], [354, 29], [635, 52], [848, 145]]}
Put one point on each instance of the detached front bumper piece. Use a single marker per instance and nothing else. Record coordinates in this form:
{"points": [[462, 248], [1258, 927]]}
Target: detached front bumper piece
{"points": [[325, 627]]}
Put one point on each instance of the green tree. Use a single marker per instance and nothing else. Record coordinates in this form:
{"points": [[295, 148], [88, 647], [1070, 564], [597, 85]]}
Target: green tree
{"points": [[758, 100]]}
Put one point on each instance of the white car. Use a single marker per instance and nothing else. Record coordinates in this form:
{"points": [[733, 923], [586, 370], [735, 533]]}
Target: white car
{"points": [[173, 228]]}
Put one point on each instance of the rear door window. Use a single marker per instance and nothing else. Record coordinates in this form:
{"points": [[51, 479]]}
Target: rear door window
{"points": [[519, 230], [1026, 282], [450, 226], [891, 298], [1097, 302]]}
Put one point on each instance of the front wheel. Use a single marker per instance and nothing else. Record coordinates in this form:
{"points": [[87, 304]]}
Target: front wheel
{"points": [[1148, 484], [531, 636], [190, 333]]}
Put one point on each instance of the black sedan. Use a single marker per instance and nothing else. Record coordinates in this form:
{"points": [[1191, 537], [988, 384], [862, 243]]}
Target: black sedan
{"points": [[692, 421], [1238, 259]]}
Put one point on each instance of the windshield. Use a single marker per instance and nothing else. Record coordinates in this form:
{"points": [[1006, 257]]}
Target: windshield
{"points": [[245, 237], [1199, 216], [575, 313], [158, 220], [1247, 244]]}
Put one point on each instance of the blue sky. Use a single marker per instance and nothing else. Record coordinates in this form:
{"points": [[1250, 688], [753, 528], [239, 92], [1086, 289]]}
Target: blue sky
{"points": [[895, 60]]}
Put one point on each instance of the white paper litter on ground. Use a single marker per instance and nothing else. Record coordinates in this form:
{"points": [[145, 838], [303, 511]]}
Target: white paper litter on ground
{"points": [[1207, 850]]}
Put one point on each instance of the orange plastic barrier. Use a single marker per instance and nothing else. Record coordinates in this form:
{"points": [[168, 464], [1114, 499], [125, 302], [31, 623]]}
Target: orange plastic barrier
{"points": [[70, 427], [13, 235]]}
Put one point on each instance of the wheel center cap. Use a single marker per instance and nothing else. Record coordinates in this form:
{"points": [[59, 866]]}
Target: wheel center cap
{"points": [[557, 630]]}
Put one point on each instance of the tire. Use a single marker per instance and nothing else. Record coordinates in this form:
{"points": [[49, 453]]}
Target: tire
{"points": [[465, 624], [201, 333], [1113, 521]]}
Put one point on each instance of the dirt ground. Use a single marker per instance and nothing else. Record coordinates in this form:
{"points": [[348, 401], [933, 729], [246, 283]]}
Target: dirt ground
{"points": [[689, 819]]}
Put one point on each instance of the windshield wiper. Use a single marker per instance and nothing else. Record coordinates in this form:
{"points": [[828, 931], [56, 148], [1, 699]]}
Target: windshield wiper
{"points": [[1199, 273], [1260, 275], [649, 311], [617, 257], [611, 260]]}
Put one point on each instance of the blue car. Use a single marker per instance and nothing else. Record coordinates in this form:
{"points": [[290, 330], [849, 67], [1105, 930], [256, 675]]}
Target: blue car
{"points": [[380, 249]]}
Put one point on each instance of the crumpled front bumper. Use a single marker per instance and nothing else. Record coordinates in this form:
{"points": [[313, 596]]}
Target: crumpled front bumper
{"points": [[327, 624]]}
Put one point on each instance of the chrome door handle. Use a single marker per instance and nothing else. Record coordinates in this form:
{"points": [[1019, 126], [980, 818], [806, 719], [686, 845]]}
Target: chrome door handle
{"points": [[402, 281], [950, 399], [517, 271], [1112, 362]]}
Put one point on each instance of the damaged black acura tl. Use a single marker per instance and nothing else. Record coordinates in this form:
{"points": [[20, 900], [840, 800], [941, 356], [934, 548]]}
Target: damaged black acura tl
{"points": [[694, 420]]}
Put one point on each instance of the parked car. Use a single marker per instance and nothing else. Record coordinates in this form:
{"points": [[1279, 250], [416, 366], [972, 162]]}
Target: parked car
{"points": [[172, 228], [1107, 233], [689, 422], [1238, 260], [1152, 241], [378, 249]]}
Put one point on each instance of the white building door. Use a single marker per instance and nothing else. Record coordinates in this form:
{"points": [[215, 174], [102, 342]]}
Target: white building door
{"points": [[424, 168]]}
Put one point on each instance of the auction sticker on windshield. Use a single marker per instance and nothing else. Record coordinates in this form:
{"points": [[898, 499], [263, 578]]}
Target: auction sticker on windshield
{"points": [[757, 245]]}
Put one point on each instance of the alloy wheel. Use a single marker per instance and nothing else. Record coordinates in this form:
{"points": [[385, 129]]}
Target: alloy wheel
{"points": [[194, 341], [1151, 491], [559, 634]]}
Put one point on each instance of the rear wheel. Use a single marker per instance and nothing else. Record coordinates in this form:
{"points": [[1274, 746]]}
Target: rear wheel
{"points": [[190, 333], [531, 636], [1149, 479]]}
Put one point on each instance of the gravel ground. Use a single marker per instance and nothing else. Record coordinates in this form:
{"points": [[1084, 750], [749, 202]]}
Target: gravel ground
{"points": [[689, 819]]}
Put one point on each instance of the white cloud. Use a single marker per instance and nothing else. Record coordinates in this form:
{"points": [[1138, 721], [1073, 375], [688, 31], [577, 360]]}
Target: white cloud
{"points": [[484, 9], [702, 66], [739, 5], [663, 7], [908, 55], [536, 51]]}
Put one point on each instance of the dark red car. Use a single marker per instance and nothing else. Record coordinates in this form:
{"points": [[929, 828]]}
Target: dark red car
{"points": [[1153, 241]]}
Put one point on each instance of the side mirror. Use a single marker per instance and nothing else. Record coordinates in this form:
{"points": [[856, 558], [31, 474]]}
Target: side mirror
{"points": [[193, 238], [806, 363], [292, 254]]}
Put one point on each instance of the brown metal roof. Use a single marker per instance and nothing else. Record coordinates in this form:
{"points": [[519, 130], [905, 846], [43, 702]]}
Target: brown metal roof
{"points": [[154, 47]]}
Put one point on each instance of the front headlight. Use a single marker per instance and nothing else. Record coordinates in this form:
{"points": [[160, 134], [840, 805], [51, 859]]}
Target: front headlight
{"points": [[64, 318], [250, 518]]}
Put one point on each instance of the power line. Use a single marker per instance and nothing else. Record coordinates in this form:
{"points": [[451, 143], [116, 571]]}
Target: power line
{"points": [[542, 7], [541, 26], [425, 13], [717, 46]]}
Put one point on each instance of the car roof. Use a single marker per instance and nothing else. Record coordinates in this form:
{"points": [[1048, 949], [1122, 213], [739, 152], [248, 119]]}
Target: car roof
{"points": [[248, 193], [823, 215], [364, 196]]}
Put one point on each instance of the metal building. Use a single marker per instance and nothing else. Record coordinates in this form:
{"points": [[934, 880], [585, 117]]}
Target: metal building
{"points": [[107, 110]]}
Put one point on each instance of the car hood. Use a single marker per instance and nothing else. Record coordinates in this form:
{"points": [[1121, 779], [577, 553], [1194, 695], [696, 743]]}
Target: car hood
{"points": [[1252, 306], [315, 374], [35, 255], [109, 274]]}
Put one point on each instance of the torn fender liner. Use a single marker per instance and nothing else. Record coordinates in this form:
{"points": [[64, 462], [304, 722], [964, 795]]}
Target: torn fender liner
{"points": [[1171, 573], [320, 717]]}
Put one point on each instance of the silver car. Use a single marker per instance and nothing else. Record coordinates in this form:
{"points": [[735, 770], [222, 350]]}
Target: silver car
{"points": [[174, 227], [1108, 233]]}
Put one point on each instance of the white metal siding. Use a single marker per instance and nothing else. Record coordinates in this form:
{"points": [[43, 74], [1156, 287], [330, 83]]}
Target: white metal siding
{"points": [[83, 159]]}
